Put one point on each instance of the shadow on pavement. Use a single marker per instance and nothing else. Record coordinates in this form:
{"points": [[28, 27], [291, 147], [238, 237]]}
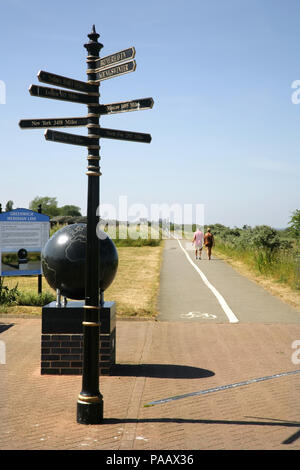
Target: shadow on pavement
{"points": [[292, 438], [5, 326], [162, 371], [287, 424]]}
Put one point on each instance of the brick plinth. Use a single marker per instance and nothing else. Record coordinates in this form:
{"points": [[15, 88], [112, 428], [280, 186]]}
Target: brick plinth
{"points": [[62, 339], [62, 354]]}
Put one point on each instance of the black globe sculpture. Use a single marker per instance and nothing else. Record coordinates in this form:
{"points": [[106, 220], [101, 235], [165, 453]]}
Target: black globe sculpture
{"points": [[63, 261]]}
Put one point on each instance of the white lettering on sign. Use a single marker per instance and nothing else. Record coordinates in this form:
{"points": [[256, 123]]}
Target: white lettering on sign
{"points": [[32, 236]]}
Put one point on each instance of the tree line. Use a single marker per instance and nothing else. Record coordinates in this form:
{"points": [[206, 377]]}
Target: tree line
{"points": [[260, 235], [49, 206], [263, 234]]}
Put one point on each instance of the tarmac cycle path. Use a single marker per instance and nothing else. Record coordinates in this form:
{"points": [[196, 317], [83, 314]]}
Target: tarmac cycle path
{"points": [[212, 291]]}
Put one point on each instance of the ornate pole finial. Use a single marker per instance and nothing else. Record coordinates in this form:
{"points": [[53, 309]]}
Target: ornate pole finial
{"points": [[93, 46]]}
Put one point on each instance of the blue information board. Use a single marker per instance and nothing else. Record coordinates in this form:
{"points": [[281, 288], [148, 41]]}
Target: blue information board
{"points": [[23, 234]]}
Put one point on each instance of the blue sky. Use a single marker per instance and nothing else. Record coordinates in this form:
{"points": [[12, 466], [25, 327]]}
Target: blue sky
{"points": [[225, 132]]}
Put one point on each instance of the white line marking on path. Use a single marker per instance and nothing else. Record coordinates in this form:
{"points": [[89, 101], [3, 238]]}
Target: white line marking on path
{"points": [[230, 315]]}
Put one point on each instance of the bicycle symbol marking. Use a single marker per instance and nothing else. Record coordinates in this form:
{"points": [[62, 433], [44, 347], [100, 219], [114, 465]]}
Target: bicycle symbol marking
{"points": [[206, 316]]}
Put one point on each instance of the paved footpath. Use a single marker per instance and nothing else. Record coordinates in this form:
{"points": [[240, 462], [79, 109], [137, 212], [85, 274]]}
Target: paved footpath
{"points": [[158, 360]]}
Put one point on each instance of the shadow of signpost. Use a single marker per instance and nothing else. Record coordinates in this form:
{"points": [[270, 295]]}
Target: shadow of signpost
{"points": [[292, 438], [162, 371], [229, 422], [171, 371]]}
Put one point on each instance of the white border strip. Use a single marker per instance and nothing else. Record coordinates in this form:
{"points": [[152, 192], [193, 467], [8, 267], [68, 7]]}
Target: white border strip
{"points": [[231, 316]]}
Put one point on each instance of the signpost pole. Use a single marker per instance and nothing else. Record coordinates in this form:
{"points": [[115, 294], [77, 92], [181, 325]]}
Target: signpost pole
{"points": [[90, 400]]}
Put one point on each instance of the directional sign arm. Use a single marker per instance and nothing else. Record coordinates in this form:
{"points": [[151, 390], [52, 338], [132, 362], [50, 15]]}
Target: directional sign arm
{"points": [[57, 94], [116, 71], [66, 82], [52, 122], [125, 106], [123, 135], [116, 58], [66, 138]]}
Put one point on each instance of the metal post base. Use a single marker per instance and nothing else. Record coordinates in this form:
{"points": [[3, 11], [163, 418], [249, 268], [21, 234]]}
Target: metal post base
{"points": [[90, 413]]}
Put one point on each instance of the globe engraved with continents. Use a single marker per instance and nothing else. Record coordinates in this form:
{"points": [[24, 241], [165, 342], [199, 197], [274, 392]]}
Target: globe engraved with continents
{"points": [[63, 261]]}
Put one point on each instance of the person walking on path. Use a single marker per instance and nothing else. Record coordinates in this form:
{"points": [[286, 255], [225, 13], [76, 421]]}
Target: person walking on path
{"points": [[198, 240], [209, 242]]}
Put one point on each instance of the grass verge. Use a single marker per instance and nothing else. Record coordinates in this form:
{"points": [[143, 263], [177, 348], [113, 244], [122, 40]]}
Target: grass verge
{"points": [[274, 281], [136, 285]]}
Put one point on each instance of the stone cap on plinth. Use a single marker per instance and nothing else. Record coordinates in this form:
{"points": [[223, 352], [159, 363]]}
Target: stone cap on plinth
{"points": [[69, 319]]}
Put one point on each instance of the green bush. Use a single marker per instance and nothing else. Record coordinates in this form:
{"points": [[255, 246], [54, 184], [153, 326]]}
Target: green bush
{"points": [[55, 228], [15, 297], [264, 249], [8, 296], [35, 300]]}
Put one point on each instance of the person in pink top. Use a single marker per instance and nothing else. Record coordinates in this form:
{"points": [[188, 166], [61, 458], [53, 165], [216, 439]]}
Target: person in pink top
{"points": [[198, 240]]}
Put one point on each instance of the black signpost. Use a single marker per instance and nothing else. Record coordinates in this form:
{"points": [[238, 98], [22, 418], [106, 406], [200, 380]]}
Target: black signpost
{"points": [[90, 400]]}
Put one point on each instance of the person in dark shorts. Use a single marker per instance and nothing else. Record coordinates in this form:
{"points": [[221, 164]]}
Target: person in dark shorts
{"points": [[208, 242]]}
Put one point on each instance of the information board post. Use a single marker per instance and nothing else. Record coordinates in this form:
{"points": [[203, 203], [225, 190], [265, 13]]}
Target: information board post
{"points": [[90, 400], [39, 275]]}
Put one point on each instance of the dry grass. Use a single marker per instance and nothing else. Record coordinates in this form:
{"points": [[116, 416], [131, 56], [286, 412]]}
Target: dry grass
{"points": [[283, 292], [27, 283], [134, 289], [136, 284]]}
